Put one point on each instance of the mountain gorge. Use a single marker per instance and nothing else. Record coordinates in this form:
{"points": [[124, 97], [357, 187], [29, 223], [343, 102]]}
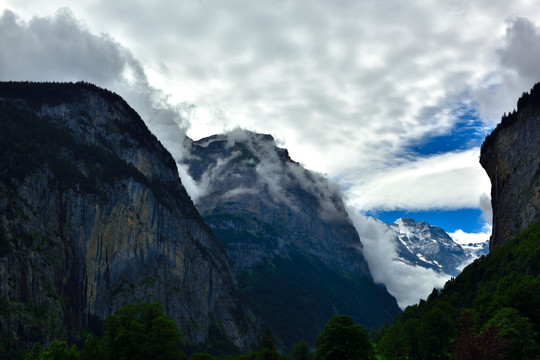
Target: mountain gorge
{"points": [[296, 253], [490, 310], [93, 216]]}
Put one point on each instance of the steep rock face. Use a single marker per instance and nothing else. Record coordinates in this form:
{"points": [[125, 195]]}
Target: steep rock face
{"points": [[245, 174], [429, 246], [511, 157], [298, 257], [94, 216]]}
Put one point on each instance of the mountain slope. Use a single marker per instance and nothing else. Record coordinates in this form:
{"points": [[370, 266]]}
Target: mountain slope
{"points": [[498, 295], [297, 255], [94, 216], [419, 243]]}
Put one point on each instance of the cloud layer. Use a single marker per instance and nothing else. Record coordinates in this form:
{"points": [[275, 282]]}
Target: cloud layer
{"points": [[347, 87], [343, 86]]}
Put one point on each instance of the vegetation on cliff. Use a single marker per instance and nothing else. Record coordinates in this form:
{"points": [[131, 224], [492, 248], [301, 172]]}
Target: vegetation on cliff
{"points": [[528, 100], [492, 304]]}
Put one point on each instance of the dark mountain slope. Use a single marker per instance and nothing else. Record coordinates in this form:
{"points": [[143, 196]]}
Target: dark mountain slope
{"points": [[297, 255], [93, 216]]}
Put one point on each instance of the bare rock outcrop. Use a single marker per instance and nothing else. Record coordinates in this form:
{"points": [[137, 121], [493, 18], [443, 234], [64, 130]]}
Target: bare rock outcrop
{"points": [[511, 157]]}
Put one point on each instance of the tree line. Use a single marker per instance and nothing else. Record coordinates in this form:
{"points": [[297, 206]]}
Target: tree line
{"points": [[143, 331], [490, 311]]}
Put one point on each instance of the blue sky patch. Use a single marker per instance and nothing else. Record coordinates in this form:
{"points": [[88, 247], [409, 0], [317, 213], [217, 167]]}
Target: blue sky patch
{"points": [[467, 132], [468, 220]]}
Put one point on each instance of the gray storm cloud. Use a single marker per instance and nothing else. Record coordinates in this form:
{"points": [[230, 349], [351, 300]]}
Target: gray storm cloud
{"points": [[60, 48], [522, 37]]}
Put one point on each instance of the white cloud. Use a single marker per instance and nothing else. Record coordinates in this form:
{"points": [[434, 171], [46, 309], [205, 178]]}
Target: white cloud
{"points": [[346, 86], [61, 48], [464, 238], [408, 284], [445, 181]]}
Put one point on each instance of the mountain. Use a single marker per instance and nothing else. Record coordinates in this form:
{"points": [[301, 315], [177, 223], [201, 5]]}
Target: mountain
{"points": [[94, 216], [476, 250], [297, 255], [419, 243], [490, 310], [511, 157]]}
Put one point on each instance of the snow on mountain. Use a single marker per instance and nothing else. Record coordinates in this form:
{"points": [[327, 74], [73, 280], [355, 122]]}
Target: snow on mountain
{"points": [[421, 244]]}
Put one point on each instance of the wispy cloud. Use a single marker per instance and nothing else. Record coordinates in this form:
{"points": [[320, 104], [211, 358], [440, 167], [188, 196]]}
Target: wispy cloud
{"points": [[445, 181]]}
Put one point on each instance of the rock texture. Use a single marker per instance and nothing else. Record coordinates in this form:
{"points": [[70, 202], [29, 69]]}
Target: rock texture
{"points": [[298, 257], [511, 157], [94, 216], [419, 243]]}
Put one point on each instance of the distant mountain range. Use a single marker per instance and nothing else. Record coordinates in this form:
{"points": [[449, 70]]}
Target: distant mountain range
{"points": [[421, 244], [94, 216]]}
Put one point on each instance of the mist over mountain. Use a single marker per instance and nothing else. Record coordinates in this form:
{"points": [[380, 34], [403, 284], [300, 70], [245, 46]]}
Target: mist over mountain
{"points": [[295, 250]]}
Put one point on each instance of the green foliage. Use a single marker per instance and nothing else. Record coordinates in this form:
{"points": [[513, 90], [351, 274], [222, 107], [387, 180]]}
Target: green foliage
{"points": [[301, 351], [518, 330], [267, 348], [202, 356], [434, 334], [501, 294], [93, 349], [487, 345], [141, 332], [393, 346], [530, 100], [342, 339], [57, 350]]}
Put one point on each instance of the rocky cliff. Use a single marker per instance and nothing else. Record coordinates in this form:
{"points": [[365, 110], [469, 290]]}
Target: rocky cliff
{"points": [[297, 255], [511, 157], [93, 216]]}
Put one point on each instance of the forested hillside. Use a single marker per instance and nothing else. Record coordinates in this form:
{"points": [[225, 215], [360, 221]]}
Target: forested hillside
{"points": [[490, 309]]}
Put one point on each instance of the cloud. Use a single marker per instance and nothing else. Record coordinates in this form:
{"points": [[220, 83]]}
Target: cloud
{"points": [[487, 211], [444, 181], [518, 55], [275, 174], [464, 238], [60, 48], [408, 284], [522, 37]]}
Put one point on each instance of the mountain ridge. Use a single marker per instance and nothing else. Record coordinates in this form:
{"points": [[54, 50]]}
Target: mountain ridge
{"points": [[271, 214], [94, 216]]}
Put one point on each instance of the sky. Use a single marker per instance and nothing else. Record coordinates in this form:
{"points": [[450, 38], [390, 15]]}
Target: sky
{"points": [[390, 99]]}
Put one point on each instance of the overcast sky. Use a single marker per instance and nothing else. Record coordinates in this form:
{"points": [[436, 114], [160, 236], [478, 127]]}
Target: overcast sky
{"points": [[391, 99]]}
